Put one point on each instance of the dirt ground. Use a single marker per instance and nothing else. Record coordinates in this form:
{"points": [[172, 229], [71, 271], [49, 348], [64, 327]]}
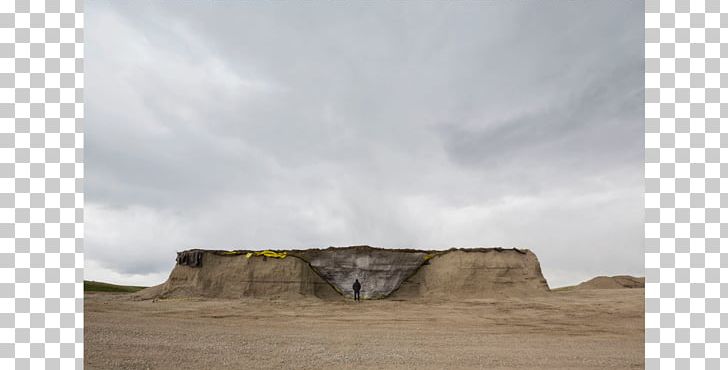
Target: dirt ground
{"points": [[599, 329]]}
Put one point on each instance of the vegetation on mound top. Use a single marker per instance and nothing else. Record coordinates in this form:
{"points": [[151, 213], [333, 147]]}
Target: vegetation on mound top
{"points": [[236, 252], [96, 286]]}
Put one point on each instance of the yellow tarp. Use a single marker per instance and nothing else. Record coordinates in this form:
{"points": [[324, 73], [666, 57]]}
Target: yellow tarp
{"points": [[267, 253], [231, 253]]}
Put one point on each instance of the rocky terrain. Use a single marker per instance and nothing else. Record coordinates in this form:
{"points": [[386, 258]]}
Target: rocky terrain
{"points": [[577, 329]]}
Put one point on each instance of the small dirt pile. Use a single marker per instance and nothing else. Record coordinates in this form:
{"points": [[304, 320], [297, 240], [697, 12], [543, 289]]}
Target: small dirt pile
{"points": [[237, 276], [613, 282], [476, 273]]}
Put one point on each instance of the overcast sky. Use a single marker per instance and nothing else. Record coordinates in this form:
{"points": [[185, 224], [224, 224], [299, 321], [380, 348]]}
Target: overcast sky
{"points": [[226, 124]]}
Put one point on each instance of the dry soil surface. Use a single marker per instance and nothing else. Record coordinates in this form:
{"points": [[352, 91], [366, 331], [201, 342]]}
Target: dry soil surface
{"points": [[598, 329]]}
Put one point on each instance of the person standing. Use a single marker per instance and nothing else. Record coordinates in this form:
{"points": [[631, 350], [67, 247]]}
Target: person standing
{"points": [[357, 289]]}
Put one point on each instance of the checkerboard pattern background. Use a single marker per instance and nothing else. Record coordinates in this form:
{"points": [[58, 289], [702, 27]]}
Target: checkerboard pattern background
{"points": [[685, 227], [41, 171], [41, 184]]}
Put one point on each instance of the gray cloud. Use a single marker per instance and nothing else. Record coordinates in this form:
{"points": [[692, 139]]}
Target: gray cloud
{"points": [[230, 124]]}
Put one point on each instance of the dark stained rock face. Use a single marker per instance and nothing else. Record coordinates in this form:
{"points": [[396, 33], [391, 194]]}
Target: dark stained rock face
{"points": [[379, 271]]}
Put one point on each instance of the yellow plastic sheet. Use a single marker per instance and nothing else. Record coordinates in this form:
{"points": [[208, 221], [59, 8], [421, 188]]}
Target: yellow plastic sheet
{"points": [[267, 253], [428, 256], [231, 253]]}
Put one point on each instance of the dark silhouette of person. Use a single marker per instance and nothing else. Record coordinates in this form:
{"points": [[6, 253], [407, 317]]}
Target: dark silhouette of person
{"points": [[357, 288]]}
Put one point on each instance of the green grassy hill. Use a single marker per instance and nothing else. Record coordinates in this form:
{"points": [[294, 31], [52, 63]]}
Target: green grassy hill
{"points": [[95, 286]]}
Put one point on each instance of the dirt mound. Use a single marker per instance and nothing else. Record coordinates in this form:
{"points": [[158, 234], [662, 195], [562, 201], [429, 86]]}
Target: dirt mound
{"points": [[330, 273], [485, 273], [235, 276], [613, 282]]}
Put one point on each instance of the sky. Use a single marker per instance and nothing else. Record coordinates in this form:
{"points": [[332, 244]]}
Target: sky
{"points": [[256, 125]]}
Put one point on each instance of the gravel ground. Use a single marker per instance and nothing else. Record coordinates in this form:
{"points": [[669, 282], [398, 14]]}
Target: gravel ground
{"points": [[599, 329]]}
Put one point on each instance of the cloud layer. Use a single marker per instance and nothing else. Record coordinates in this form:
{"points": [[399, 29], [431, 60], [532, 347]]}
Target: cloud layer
{"points": [[257, 125]]}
